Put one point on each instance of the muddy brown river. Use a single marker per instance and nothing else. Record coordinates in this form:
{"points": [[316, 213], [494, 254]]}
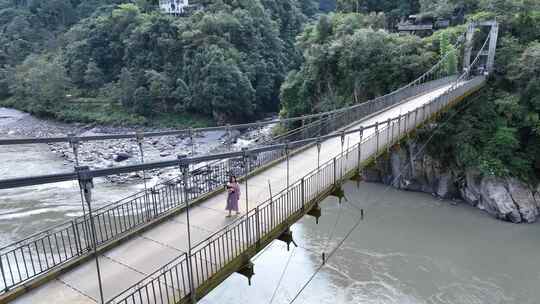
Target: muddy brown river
{"points": [[410, 247]]}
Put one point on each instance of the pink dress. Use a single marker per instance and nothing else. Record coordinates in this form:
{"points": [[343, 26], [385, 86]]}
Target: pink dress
{"points": [[233, 197]]}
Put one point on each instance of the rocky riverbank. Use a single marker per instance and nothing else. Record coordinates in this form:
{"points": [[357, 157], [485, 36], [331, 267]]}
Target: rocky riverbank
{"points": [[408, 168], [111, 153]]}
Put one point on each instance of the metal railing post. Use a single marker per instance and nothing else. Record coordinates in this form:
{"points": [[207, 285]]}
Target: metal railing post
{"points": [[416, 117], [341, 157], [405, 124], [258, 224], [154, 194], [319, 146], [377, 135], [74, 144], [287, 156], [140, 140], [302, 188], [6, 288], [360, 149], [272, 216], [388, 135], [86, 184], [184, 169], [191, 141], [399, 127], [245, 158], [78, 244], [335, 173], [229, 137]]}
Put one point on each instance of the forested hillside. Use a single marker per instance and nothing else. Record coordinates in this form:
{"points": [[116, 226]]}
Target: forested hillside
{"points": [[347, 60], [499, 133], [116, 61]]}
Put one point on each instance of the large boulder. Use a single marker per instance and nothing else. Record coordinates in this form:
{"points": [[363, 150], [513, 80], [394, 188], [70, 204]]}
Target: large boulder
{"points": [[523, 199], [431, 171], [399, 172], [121, 156], [445, 186], [470, 191], [537, 197], [497, 201], [372, 175]]}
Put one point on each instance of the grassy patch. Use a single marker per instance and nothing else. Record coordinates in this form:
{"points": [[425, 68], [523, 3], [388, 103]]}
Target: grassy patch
{"points": [[95, 110]]}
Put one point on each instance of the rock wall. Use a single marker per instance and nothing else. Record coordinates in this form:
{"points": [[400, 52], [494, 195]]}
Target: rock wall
{"points": [[406, 167]]}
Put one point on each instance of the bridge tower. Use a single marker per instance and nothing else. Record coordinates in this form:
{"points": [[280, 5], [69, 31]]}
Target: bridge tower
{"points": [[493, 35]]}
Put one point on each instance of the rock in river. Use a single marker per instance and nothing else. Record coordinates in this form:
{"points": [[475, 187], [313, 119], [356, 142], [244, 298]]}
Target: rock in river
{"points": [[524, 200], [497, 201], [121, 156]]}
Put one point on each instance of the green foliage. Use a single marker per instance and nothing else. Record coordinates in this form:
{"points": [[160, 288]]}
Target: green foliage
{"points": [[142, 102], [347, 63], [43, 81], [446, 8], [93, 76], [227, 62], [394, 10], [449, 52], [499, 133]]}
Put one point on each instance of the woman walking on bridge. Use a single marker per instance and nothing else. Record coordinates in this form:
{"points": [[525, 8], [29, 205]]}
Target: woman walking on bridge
{"points": [[233, 195]]}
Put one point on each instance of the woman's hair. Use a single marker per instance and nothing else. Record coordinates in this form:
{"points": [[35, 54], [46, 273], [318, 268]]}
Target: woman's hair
{"points": [[232, 179]]}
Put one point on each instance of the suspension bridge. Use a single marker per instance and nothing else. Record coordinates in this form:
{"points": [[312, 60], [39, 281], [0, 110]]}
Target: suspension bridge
{"points": [[171, 243]]}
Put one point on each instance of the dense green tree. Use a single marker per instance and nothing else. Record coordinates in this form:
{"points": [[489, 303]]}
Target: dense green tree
{"points": [[119, 48], [142, 101], [395, 10], [125, 88], [93, 76], [159, 89], [5, 74], [347, 63], [42, 81], [449, 52]]}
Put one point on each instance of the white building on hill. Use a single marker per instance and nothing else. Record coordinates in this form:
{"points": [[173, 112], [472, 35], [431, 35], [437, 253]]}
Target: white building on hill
{"points": [[175, 7]]}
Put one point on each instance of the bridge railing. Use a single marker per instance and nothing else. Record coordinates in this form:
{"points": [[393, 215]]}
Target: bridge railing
{"points": [[41, 252], [26, 259], [212, 255]]}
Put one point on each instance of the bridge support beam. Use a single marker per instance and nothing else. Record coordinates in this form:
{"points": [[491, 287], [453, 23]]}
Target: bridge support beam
{"points": [[248, 270], [493, 36], [468, 46], [315, 212], [494, 33], [287, 237], [184, 170], [338, 192]]}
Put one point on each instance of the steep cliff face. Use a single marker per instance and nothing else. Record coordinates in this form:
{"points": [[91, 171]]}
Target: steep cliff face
{"points": [[406, 167]]}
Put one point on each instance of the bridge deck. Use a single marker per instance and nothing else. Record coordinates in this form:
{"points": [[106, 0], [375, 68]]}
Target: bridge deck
{"points": [[133, 260]]}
